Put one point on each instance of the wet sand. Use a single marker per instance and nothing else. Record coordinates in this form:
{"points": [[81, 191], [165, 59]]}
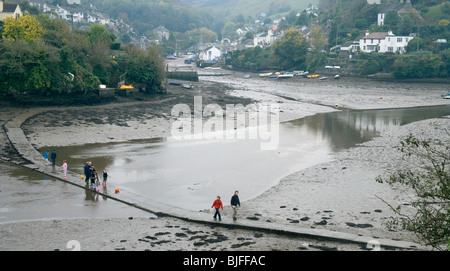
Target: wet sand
{"points": [[341, 195]]}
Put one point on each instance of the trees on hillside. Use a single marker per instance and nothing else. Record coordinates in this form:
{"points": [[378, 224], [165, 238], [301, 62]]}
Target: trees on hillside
{"points": [[290, 51], [42, 56]]}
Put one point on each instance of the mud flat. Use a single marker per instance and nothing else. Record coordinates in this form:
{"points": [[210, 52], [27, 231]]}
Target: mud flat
{"points": [[341, 195]]}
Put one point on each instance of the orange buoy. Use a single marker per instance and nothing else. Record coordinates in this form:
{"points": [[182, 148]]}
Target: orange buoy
{"points": [[117, 191]]}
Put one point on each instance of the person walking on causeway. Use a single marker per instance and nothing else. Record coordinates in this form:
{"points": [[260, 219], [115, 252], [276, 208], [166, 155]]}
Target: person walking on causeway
{"points": [[217, 204], [234, 204]]}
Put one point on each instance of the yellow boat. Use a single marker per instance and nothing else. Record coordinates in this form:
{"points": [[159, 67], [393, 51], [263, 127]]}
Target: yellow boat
{"points": [[126, 87], [312, 75]]}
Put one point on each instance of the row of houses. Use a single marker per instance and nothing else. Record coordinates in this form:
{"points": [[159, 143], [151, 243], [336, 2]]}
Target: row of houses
{"points": [[72, 14]]}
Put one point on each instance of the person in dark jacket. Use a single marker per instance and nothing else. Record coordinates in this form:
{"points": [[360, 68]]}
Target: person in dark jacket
{"points": [[53, 157], [234, 203], [87, 172]]}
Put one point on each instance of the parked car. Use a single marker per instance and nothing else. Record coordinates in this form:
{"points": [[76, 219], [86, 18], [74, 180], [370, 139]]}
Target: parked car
{"points": [[189, 60]]}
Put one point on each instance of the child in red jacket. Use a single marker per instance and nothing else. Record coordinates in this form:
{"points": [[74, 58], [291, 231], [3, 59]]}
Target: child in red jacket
{"points": [[217, 204]]}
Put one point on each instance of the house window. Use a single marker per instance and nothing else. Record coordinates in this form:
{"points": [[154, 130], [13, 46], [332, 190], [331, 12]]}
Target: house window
{"points": [[399, 39], [371, 41], [391, 49]]}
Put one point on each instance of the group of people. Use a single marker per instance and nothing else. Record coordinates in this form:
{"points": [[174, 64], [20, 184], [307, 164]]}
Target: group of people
{"points": [[92, 179], [91, 176], [217, 204], [90, 173], [52, 156]]}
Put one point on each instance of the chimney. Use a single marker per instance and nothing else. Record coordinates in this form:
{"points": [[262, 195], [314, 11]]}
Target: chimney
{"points": [[367, 32], [390, 33]]}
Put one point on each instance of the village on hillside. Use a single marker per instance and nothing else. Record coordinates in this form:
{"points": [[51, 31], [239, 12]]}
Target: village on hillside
{"points": [[261, 30]]}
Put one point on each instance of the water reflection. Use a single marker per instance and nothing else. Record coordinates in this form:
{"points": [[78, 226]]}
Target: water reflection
{"points": [[346, 128], [191, 173], [28, 195]]}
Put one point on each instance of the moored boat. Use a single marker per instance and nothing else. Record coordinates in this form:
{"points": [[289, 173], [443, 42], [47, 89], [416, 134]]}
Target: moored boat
{"points": [[126, 87], [312, 75], [188, 86], [446, 96], [286, 75]]}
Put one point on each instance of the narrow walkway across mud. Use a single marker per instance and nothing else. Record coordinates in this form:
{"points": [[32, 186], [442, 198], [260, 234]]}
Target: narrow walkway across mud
{"points": [[36, 162]]}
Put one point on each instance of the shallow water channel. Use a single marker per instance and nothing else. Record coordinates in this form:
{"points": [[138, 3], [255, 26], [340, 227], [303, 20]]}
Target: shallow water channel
{"points": [[191, 173]]}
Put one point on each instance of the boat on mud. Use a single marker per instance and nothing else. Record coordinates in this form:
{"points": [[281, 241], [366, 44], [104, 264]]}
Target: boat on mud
{"points": [[286, 75], [126, 87], [188, 86], [446, 96]]}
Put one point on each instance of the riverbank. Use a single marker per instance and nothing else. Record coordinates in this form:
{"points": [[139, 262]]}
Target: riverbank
{"points": [[307, 198]]}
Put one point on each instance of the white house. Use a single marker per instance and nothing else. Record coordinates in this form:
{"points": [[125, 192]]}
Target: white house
{"points": [[264, 39], [9, 10], [349, 47], [211, 53], [162, 33], [384, 42]]}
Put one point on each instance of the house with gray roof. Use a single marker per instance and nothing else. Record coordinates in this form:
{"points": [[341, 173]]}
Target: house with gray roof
{"points": [[9, 10], [404, 7], [384, 42]]}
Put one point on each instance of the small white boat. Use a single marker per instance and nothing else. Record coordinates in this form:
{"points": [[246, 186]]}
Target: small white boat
{"points": [[188, 86], [323, 78], [265, 74], [337, 76], [446, 96], [286, 75]]}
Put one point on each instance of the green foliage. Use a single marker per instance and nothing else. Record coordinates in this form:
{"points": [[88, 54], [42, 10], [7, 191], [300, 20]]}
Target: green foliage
{"points": [[60, 61], [147, 15], [430, 181], [27, 27], [315, 61], [290, 51], [251, 59], [418, 66], [145, 69]]}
